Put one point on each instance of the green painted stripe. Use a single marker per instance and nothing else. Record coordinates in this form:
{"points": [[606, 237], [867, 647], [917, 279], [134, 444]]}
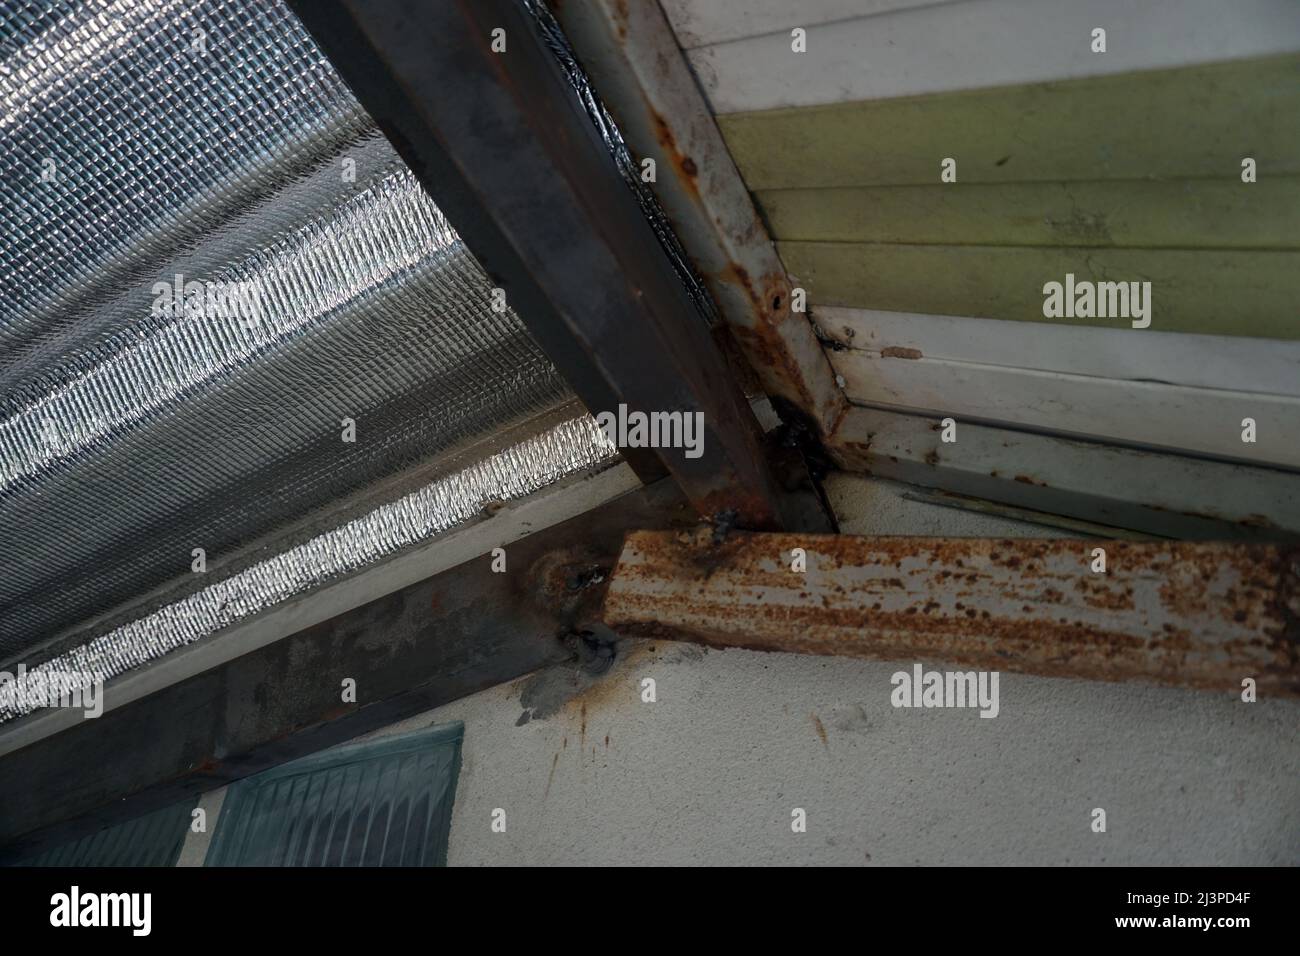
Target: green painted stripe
{"points": [[1193, 214], [1191, 122], [1216, 292]]}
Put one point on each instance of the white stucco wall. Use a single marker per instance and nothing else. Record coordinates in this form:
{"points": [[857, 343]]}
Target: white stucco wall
{"points": [[711, 771]]}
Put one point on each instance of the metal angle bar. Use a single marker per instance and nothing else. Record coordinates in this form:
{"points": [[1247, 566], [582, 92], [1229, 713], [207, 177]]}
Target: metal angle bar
{"points": [[1179, 613], [500, 141], [1160, 493], [632, 56]]}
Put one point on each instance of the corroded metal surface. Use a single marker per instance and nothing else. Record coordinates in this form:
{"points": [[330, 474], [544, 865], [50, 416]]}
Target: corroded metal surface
{"points": [[632, 56], [1189, 614]]}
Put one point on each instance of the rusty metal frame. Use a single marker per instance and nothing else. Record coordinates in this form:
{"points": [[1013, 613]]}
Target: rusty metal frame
{"points": [[632, 56], [501, 142], [506, 151], [1178, 613]]}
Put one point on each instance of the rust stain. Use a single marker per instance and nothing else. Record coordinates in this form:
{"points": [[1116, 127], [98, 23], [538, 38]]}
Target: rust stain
{"points": [[1096, 593], [769, 299], [821, 730], [895, 351], [551, 777], [769, 295], [772, 346], [683, 166], [578, 695]]}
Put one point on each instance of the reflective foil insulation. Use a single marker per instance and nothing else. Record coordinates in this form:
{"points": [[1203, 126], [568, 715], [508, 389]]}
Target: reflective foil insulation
{"points": [[230, 320]]}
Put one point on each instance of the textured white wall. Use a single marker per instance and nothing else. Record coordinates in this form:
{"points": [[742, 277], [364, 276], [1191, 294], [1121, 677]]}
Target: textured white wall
{"points": [[709, 774]]}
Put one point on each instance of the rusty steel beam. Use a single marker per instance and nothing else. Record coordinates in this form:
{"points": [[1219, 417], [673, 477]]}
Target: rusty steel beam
{"points": [[1179, 613], [481, 111], [633, 59]]}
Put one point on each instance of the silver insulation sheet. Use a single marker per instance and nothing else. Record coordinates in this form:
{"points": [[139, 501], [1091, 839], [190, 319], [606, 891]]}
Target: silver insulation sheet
{"points": [[141, 140]]}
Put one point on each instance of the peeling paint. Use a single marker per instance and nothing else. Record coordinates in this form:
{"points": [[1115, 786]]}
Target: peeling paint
{"points": [[821, 730]]}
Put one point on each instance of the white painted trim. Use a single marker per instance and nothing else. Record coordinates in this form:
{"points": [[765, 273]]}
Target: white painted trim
{"points": [[704, 22], [983, 43], [1106, 484], [515, 521], [1201, 421], [1201, 361]]}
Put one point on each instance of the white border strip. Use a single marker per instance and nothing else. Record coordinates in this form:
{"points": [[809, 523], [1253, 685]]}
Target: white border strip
{"points": [[1233, 363], [981, 43], [1149, 414]]}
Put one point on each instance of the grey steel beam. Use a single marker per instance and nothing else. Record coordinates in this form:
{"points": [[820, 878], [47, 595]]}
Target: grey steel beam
{"points": [[500, 141], [1187, 614], [460, 631]]}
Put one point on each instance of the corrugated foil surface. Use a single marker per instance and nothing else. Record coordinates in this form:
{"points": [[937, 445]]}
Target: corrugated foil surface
{"points": [[210, 263]]}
